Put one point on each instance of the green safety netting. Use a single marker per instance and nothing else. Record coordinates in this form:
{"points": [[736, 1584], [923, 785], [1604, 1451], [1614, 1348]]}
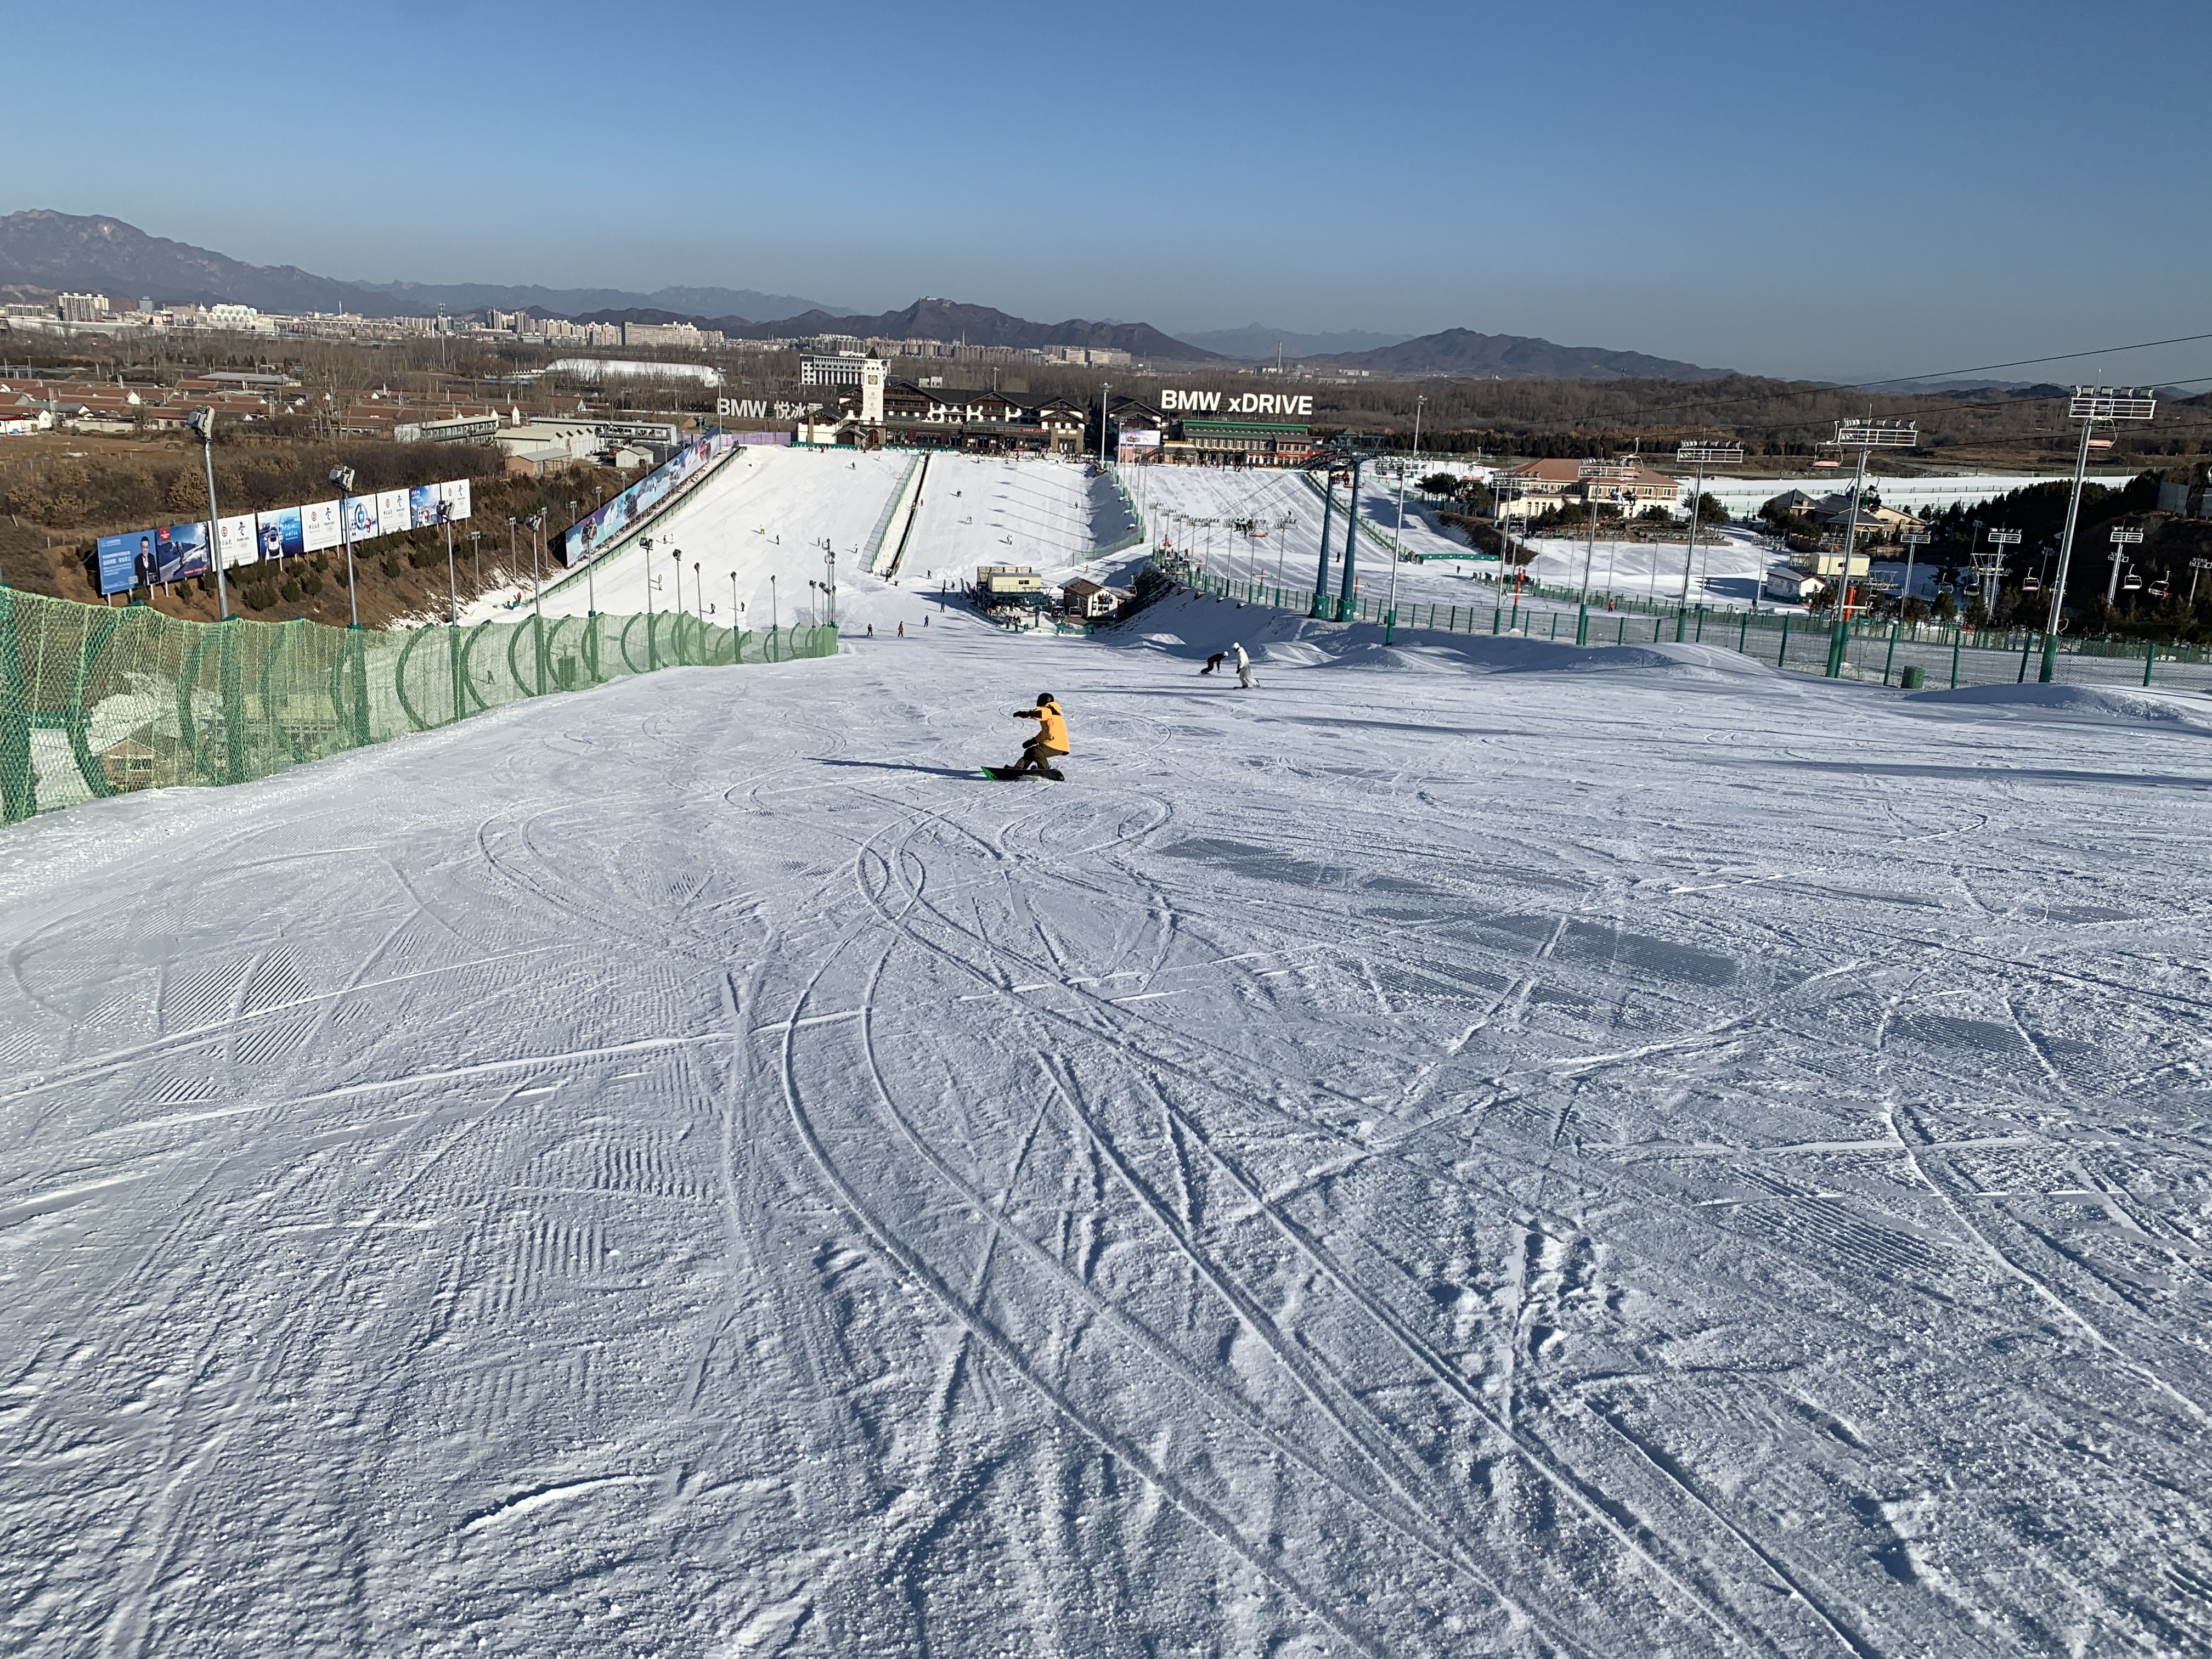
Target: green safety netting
{"points": [[96, 700]]}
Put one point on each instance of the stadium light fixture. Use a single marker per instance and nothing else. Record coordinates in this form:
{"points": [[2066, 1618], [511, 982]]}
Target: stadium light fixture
{"points": [[1701, 455], [2122, 538], [2091, 406], [202, 421], [343, 477], [1865, 436]]}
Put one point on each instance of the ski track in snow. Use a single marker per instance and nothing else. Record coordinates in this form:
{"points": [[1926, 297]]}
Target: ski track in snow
{"points": [[1405, 1160]]}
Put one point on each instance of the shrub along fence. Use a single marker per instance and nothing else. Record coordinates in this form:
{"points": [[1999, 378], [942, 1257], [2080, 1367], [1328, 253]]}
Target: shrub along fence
{"points": [[96, 700], [1894, 654]]}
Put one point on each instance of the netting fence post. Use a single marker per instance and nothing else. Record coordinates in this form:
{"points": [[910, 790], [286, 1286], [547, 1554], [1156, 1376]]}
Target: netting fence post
{"points": [[19, 795], [1957, 638], [1781, 657], [2150, 659], [230, 682], [1891, 658]]}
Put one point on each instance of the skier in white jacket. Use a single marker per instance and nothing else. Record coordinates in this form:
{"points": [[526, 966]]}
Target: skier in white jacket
{"points": [[1245, 677]]}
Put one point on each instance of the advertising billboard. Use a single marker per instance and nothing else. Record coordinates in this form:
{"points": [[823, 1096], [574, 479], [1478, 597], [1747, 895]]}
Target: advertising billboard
{"points": [[142, 558], [283, 534], [319, 526], [181, 551], [127, 562], [361, 521], [238, 539]]}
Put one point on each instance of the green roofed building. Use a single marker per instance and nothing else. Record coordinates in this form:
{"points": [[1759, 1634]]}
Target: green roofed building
{"points": [[1241, 443]]}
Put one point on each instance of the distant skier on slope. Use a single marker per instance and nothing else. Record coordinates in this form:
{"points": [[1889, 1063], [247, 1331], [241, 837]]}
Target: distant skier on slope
{"points": [[1245, 677], [1214, 662], [1049, 744]]}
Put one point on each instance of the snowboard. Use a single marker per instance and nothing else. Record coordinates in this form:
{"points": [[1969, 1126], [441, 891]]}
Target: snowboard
{"points": [[1008, 774]]}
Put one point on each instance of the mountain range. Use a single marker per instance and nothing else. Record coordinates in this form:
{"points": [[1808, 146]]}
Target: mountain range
{"points": [[43, 250], [1462, 354]]}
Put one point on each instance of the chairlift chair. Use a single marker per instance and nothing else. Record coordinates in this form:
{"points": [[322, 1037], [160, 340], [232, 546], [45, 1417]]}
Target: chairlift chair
{"points": [[2131, 584], [2031, 585]]}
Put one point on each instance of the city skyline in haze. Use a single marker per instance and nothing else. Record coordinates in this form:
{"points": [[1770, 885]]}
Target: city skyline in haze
{"points": [[1896, 191]]}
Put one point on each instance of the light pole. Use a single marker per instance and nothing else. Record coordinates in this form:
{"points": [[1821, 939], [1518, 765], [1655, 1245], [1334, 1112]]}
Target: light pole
{"points": [[536, 523], [342, 477], [1591, 472], [452, 609], [830, 587], [476, 552], [1398, 535], [1104, 387], [2090, 406], [202, 421], [1864, 436], [676, 617], [1701, 455], [645, 542]]}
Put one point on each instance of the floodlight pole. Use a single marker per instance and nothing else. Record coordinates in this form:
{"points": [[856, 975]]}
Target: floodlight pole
{"points": [[645, 542], [1719, 455], [2090, 405], [202, 421], [1104, 387], [1397, 536], [342, 477], [1865, 436]]}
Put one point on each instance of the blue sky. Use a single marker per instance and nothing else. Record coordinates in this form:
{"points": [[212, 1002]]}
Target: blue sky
{"points": [[1822, 190]]}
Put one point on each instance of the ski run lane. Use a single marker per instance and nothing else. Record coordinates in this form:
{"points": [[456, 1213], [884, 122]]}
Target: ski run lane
{"points": [[1403, 1160]]}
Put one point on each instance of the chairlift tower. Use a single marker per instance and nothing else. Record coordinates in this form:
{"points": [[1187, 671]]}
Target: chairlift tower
{"points": [[1701, 455], [1914, 538], [1352, 450], [1992, 564], [2091, 406], [2196, 567], [2122, 538]]}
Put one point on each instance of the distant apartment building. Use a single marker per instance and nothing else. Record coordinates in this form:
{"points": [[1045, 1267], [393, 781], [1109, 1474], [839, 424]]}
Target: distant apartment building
{"points": [[843, 369], [679, 336], [80, 307]]}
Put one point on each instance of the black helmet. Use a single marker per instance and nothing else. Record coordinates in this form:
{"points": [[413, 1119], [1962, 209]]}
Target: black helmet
{"points": [[1044, 697]]}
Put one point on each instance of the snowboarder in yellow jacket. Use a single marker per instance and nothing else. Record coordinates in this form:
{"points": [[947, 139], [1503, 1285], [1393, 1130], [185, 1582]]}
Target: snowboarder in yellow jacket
{"points": [[1040, 753]]}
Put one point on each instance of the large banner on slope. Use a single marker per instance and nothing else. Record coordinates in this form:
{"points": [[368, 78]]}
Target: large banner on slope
{"points": [[640, 501]]}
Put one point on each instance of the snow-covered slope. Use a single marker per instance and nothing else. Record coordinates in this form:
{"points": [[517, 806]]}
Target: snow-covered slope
{"points": [[1413, 1159]]}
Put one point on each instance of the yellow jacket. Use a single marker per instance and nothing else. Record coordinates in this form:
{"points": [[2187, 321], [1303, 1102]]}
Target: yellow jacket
{"points": [[1052, 725]]}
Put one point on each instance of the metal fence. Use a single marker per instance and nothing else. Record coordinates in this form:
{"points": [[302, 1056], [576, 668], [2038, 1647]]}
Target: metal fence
{"points": [[1870, 650], [96, 700]]}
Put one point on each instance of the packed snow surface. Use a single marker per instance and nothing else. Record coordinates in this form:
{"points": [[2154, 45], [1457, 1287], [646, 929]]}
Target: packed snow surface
{"points": [[1481, 1148]]}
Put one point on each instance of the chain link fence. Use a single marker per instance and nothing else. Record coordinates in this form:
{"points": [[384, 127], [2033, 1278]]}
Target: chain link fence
{"points": [[1891, 653], [96, 700]]}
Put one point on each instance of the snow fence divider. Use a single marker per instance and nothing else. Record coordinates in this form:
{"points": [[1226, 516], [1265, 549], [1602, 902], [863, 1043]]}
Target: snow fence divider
{"points": [[1873, 651], [98, 700]]}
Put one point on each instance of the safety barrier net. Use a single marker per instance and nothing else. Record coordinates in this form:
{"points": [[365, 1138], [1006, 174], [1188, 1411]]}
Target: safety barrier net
{"points": [[97, 701], [1893, 654]]}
